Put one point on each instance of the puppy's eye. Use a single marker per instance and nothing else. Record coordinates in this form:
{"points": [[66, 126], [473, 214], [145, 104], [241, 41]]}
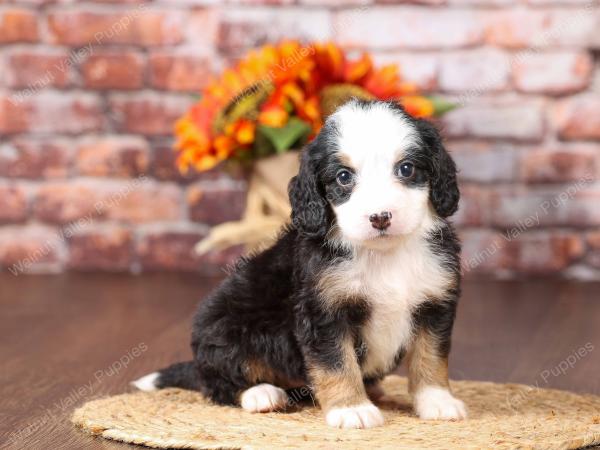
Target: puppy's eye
{"points": [[344, 177], [405, 170]]}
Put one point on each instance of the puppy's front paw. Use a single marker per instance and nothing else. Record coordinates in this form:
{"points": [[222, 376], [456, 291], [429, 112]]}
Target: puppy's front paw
{"points": [[263, 398], [365, 415], [435, 403]]}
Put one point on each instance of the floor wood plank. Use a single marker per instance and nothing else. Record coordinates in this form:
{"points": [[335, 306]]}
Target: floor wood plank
{"points": [[62, 337]]}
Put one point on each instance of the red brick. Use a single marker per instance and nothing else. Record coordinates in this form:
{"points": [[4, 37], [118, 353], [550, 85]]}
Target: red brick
{"points": [[164, 166], [138, 26], [66, 202], [13, 204], [202, 28], [474, 206], [14, 115], [483, 2], [553, 73], [558, 2], [213, 205], [18, 25], [478, 71], [133, 2], [483, 252], [523, 121], [593, 256], [523, 253], [310, 2], [556, 165], [418, 68], [113, 156], [409, 27], [592, 259], [50, 112], [120, 1], [244, 28], [101, 248], [484, 162], [114, 70], [29, 158], [573, 204], [541, 28], [593, 239], [543, 253], [179, 72], [37, 69], [129, 201], [142, 200], [171, 247], [161, 248], [150, 114], [579, 117], [31, 249]]}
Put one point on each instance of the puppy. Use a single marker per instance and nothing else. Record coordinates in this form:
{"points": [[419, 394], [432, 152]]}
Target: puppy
{"points": [[366, 274]]}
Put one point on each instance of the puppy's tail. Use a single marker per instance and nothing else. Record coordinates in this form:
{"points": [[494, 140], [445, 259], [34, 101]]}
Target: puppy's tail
{"points": [[182, 375]]}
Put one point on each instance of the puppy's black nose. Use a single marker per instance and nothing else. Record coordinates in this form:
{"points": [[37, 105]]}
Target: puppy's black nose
{"points": [[381, 221]]}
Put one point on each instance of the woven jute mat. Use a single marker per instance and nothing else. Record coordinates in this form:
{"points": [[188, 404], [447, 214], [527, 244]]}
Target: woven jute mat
{"points": [[503, 416]]}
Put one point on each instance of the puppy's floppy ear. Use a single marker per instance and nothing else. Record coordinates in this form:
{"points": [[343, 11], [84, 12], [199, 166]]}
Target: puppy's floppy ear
{"points": [[444, 194], [309, 213]]}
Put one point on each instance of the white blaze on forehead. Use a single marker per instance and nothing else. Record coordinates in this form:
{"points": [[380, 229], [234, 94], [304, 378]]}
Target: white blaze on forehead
{"points": [[371, 139], [375, 136]]}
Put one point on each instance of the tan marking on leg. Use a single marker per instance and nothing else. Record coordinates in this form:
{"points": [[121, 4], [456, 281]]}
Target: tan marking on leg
{"points": [[341, 386], [428, 381], [425, 366], [258, 372]]}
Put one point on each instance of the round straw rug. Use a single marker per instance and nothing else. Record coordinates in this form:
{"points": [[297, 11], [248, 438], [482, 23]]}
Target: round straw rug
{"points": [[503, 416]]}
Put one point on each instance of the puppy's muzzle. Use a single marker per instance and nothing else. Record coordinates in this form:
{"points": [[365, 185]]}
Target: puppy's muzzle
{"points": [[381, 221]]}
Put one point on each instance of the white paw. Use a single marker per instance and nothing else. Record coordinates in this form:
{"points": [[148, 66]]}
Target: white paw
{"points": [[365, 415], [435, 403], [263, 398]]}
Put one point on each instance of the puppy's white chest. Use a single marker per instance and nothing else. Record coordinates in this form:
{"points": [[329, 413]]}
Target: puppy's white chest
{"points": [[387, 331], [393, 284]]}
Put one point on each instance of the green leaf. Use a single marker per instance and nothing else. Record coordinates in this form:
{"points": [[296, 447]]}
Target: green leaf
{"points": [[262, 144], [285, 137], [442, 106]]}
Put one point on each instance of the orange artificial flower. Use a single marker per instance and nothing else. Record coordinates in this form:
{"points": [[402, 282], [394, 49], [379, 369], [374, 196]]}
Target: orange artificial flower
{"points": [[310, 111], [283, 81], [245, 131], [356, 71], [273, 116], [418, 106], [330, 61], [383, 83]]}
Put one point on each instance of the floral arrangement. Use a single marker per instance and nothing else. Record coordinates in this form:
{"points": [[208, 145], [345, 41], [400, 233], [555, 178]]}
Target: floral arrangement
{"points": [[277, 98]]}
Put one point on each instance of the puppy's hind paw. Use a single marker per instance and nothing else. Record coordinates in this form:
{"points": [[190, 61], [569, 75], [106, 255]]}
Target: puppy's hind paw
{"points": [[365, 415], [263, 398], [435, 403]]}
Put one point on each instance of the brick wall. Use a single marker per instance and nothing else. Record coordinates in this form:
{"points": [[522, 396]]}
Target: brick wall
{"points": [[89, 91]]}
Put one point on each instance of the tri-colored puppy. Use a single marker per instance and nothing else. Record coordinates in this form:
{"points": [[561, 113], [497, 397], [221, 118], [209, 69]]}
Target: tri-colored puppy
{"points": [[367, 274]]}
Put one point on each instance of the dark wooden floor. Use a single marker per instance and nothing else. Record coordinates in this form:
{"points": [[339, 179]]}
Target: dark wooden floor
{"points": [[62, 339]]}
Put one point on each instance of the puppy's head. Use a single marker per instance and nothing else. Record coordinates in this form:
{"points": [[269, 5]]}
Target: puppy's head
{"points": [[373, 175]]}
